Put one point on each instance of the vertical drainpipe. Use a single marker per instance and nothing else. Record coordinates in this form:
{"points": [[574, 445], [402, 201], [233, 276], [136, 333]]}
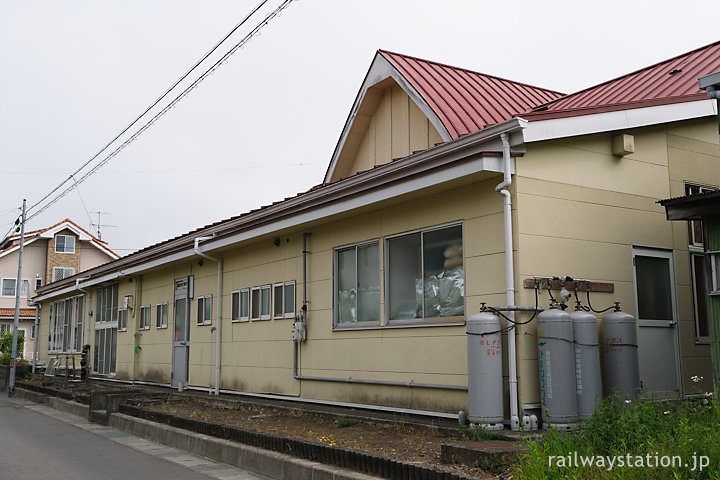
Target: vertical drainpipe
{"points": [[509, 280], [218, 310], [37, 337], [86, 313]]}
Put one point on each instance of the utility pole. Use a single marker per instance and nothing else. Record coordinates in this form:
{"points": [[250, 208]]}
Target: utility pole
{"points": [[18, 289]]}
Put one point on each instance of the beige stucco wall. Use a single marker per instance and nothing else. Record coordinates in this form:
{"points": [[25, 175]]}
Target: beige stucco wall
{"points": [[91, 256], [258, 355], [579, 210]]}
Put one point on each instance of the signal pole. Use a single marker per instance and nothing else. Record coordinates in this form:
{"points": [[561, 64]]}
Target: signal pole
{"points": [[18, 289]]}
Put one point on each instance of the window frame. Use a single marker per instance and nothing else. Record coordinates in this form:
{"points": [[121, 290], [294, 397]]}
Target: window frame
{"points": [[106, 329], [64, 250], [422, 321], [24, 290], [161, 315], [145, 317], [702, 188], [336, 287], [122, 319], [65, 330], [261, 289], [283, 287], [236, 315], [704, 339], [201, 318]]}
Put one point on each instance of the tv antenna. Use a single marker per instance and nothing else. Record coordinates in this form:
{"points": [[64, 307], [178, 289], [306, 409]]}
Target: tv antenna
{"points": [[97, 225]]}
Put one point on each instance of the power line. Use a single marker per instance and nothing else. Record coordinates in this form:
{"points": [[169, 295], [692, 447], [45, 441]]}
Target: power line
{"points": [[163, 111], [184, 170], [83, 203]]}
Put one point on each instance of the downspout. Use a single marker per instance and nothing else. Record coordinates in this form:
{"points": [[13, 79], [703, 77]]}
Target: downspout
{"points": [[86, 313], [300, 335], [502, 189], [37, 337], [218, 310]]}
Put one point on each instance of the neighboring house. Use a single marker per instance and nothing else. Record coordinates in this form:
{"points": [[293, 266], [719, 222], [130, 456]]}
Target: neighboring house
{"points": [[406, 237], [49, 254], [701, 210]]}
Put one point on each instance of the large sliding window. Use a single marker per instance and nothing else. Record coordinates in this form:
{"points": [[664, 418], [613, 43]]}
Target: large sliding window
{"points": [[106, 328], [66, 325], [357, 285], [425, 276]]}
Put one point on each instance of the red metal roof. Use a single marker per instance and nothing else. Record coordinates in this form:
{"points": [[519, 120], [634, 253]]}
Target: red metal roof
{"points": [[671, 81], [467, 101]]}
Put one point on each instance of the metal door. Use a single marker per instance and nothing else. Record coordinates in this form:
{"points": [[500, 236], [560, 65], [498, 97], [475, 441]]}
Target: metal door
{"points": [[658, 342], [181, 330]]}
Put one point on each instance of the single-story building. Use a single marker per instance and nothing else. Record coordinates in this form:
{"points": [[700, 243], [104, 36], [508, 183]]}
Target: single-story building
{"points": [[448, 189]]}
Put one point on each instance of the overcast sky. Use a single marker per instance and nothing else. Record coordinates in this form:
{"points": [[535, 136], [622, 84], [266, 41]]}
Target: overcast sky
{"points": [[264, 125]]}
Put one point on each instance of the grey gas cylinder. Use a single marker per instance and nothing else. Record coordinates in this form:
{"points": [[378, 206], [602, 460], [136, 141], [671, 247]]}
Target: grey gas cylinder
{"points": [[556, 365], [485, 388], [620, 355], [588, 382]]}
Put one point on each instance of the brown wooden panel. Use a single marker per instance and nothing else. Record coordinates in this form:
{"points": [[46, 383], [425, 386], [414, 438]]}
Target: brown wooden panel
{"points": [[557, 284]]}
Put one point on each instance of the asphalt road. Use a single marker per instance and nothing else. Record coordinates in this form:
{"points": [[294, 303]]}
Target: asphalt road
{"points": [[38, 443]]}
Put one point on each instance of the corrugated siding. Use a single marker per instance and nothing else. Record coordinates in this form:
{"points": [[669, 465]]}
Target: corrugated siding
{"points": [[713, 229], [467, 101], [715, 308]]}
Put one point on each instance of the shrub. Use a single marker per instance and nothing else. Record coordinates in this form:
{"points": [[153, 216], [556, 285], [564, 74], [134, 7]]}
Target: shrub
{"points": [[6, 341], [684, 429]]}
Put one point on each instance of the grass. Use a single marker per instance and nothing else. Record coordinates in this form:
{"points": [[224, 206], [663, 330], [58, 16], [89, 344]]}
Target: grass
{"points": [[681, 433], [343, 422], [475, 434]]}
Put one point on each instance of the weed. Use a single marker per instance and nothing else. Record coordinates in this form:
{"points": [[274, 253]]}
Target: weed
{"points": [[343, 422], [682, 429], [475, 434]]}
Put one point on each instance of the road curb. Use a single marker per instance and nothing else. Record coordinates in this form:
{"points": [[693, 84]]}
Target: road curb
{"points": [[273, 465]]}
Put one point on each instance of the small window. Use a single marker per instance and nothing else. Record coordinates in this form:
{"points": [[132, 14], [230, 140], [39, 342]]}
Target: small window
{"points": [[58, 273], [695, 228], [38, 283], [204, 310], [260, 303], [284, 301], [122, 320], [161, 315], [240, 305], [702, 315], [32, 331], [64, 244], [5, 328], [145, 317], [715, 267], [8, 287]]}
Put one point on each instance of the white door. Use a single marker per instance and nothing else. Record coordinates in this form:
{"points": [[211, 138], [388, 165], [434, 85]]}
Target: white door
{"points": [[658, 341]]}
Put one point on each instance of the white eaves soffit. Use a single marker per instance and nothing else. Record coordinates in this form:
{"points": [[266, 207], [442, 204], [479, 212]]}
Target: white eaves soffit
{"points": [[554, 128], [381, 70]]}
